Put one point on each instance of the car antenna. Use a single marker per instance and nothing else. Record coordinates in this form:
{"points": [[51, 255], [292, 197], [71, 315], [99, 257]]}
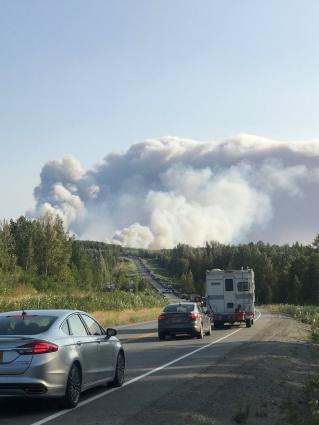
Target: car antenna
{"points": [[24, 313]]}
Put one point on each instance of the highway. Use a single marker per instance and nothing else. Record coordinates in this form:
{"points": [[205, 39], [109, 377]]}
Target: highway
{"points": [[147, 273], [179, 381]]}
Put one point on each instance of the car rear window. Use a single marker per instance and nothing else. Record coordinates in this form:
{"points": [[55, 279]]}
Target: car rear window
{"points": [[25, 324], [179, 308]]}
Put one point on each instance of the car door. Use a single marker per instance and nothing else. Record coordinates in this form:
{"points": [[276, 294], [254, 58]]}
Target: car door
{"points": [[106, 348], [87, 347]]}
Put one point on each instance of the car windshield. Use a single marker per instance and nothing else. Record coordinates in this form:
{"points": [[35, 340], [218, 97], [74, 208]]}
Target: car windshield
{"points": [[179, 308], [24, 324]]}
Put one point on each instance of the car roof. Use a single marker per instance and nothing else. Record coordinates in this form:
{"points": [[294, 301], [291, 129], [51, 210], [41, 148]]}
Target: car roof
{"points": [[42, 312]]}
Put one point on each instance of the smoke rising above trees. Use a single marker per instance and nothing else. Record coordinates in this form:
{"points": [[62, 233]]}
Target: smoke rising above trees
{"points": [[170, 190]]}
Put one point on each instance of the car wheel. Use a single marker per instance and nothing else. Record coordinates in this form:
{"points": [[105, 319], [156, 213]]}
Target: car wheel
{"points": [[200, 334], [248, 323], [119, 371], [73, 387], [161, 336], [209, 332]]}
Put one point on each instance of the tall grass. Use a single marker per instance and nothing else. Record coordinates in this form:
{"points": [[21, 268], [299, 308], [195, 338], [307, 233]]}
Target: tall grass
{"points": [[115, 318], [88, 301], [306, 314]]}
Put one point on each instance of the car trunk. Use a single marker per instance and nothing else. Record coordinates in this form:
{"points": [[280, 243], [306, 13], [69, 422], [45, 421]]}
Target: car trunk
{"points": [[177, 318], [11, 362]]}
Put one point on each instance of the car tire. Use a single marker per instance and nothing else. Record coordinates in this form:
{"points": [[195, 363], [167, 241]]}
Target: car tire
{"points": [[119, 370], [200, 334], [248, 323], [161, 336], [209, 332], [73, 387]]}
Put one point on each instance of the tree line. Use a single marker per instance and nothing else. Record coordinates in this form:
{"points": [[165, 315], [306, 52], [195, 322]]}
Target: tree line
{"points": [[283, 274], [41, 254]]}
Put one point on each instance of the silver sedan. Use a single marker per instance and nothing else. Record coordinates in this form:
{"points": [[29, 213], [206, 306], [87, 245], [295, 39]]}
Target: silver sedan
{"points": [[57, 353]]}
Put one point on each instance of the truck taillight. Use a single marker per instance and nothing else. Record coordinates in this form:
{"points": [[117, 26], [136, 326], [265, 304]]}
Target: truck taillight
{"points": [[38, 348]]}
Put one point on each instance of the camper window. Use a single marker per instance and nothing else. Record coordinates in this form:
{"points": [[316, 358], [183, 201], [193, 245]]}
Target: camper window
{"points": [[243, 286], [229, 286]]}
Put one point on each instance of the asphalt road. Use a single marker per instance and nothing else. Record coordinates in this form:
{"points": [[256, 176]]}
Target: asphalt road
{"points": [[147, 273], [156, 370]]}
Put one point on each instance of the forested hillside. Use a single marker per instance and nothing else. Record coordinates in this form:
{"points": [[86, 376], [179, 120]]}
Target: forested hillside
{"points": [[40, 254], [283, 274]]}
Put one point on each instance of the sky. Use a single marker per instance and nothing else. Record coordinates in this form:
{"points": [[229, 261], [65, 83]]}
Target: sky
{"points": [[89, 79]]}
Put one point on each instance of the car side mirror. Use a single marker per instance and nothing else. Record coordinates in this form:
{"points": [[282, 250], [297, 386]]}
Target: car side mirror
{"points": [[110, 332]]}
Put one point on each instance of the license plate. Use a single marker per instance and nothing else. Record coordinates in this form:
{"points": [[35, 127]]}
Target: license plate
{"points": [[177, 319], [1, 356]]}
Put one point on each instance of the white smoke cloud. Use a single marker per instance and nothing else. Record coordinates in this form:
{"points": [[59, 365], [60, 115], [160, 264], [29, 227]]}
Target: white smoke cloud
{"points": [[169, 190]]}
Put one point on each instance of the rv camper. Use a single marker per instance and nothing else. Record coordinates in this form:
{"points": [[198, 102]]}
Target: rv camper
{"points": [[230, 296]]}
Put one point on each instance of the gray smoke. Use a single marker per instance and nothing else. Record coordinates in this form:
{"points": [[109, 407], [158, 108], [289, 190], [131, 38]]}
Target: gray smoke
{"points": [[167, 191]]}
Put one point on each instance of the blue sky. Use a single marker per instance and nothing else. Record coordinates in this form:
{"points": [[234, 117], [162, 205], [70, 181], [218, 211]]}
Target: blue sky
{"points": [[87, 78]]}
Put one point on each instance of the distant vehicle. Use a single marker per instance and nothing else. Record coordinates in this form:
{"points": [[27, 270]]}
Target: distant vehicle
{"points": [[230, 296], [167, 291], [183, 318], [35, 345]]}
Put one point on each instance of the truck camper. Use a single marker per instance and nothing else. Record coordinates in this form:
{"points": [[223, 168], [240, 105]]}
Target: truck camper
{"points": [[230, 296]]}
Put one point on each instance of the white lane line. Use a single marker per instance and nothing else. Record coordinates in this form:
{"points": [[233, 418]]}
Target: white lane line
{"points": [[138, 378]]}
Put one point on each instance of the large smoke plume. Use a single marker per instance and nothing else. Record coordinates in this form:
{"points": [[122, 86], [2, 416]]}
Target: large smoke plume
{"points": [[170, 190]]}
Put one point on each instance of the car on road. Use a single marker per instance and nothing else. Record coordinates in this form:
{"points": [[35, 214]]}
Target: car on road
{"points": [[167, 291], [57, 353], [184, 318]]}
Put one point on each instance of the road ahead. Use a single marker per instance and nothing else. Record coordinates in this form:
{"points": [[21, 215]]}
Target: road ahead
{"points": [[184, 381]]}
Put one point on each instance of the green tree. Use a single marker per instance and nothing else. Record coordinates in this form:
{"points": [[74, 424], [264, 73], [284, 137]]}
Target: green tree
{"points": [[7, 256], [187, 282]]}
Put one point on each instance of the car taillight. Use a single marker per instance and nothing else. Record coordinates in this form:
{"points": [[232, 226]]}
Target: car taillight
{"points": [[194, 316], [161, 317], [38, 348]]}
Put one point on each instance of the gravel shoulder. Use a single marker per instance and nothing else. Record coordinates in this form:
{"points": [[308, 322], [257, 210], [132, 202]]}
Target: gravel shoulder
{"points": [[264, 381]]}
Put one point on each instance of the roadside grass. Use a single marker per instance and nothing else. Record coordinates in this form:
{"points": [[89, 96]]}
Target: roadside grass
{"points": [[162, 274], [116, 318], [156, 268], [87, 301]]}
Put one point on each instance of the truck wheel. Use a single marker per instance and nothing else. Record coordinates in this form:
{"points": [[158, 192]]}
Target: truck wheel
{"points": [[161, 336], [248, 323], [209, 332]]}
